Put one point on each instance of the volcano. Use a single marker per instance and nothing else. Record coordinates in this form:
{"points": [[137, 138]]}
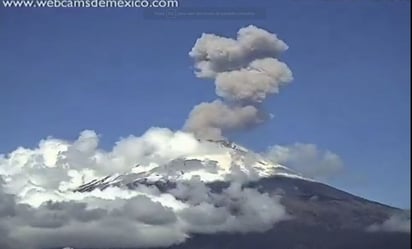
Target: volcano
{"points": [[320, 216]]}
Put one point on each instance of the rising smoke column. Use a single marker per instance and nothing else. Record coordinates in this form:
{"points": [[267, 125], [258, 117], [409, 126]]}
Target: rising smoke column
{"points": [[245, 71]]}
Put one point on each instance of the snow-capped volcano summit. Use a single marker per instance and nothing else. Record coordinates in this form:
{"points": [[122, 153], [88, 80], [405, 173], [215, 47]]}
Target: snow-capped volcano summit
{"points": [[226, 161]]}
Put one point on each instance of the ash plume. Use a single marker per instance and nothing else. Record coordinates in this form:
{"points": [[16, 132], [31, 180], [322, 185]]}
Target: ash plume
{"points": [[245, 70], [207, 120]]}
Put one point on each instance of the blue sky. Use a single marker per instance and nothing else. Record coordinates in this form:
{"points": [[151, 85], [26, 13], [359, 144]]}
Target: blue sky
{"points": [[111, 70]]}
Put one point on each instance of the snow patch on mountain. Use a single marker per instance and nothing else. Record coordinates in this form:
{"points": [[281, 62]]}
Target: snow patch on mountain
{"points": [[57, 167], [230, 162]]}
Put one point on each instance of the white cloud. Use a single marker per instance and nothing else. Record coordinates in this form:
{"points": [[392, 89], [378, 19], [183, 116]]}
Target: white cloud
{"points": [[307, 159], [395, 223], [38, 208]]}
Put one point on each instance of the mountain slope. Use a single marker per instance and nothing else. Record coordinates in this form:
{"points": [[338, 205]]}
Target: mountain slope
{"points": [[323, 218], [320, 216]]}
